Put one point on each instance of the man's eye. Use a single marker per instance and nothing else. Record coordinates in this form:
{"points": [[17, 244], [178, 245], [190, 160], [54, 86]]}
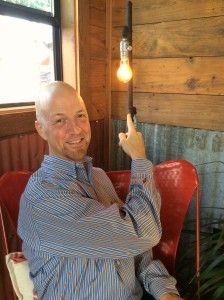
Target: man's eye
{"points": [[81, 115], [60, 121]]}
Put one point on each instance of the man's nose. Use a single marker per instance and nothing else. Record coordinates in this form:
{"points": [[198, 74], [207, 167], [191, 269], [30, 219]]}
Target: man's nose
{"points": [[73, 127]]}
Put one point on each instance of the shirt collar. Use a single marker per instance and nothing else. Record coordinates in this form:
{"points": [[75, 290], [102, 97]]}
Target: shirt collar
{"points": [[67, 169]]}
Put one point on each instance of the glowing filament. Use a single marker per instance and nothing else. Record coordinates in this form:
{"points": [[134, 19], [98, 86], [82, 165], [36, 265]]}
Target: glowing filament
{"points": [[124, 73]]}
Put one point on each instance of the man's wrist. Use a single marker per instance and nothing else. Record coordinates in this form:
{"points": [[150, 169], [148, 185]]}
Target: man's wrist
{"points": [[139, 156], [170, 296]]}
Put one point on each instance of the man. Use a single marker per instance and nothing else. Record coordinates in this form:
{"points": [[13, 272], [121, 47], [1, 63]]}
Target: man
{"points": [[81, 242]]}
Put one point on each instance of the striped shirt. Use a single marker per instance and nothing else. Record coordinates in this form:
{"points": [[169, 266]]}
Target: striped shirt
{"points": [[81, 242]]}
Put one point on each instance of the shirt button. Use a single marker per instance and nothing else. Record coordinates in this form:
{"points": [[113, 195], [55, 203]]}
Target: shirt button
{"points": [[144, 180]]}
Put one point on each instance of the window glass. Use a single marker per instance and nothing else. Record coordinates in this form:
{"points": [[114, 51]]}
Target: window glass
{"points": [[45, 5], [26, 58]]}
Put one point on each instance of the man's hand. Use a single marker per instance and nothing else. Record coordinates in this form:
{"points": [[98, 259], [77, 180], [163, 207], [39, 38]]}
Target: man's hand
{"points": [[132, 142], [168, 296]]}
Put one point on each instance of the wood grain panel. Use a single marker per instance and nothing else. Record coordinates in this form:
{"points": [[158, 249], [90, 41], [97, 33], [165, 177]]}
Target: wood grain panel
{"points": [[98, 105], [84, 48], [98, 42], [99, 4], [108, 131], [97, 17], [96, 68], [17, 123], [197, 37], [197, 111], [97, 74], [96, 148], [69, 42], [200, 75], [151, 11]]}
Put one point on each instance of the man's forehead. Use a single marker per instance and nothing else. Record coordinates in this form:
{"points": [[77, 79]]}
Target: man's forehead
{"points": [[65, 106], [63, 100]]}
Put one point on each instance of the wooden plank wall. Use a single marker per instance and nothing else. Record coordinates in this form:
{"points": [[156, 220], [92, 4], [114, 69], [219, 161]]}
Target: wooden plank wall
{"points": [[178, 51], [93, 66]]}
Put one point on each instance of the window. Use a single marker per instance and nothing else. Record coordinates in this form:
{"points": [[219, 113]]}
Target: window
{"points": [[30, 52]]}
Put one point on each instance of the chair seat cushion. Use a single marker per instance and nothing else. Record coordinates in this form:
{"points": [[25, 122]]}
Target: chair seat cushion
{"points": [[19, 273]]}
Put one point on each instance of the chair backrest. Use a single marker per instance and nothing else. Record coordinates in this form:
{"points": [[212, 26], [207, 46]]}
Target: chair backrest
{"points": [[12, 185], [176, 181]]}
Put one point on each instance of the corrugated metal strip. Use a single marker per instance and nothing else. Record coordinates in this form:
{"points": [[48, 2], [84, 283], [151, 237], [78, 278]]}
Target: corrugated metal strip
{"points": [[203, 148]]}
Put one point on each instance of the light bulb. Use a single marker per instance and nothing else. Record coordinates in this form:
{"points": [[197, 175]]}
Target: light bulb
{"points": [[124, 73]]}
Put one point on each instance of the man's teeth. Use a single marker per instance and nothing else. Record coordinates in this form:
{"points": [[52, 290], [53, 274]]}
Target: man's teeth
{"points": [[75, 142]]}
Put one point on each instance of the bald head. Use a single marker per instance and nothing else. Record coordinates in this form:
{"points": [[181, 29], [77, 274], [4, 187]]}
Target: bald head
{"points": [[47, 96], [62, 121]]}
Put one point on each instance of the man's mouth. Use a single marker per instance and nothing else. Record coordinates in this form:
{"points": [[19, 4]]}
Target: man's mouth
{"points": [[75, 141]]}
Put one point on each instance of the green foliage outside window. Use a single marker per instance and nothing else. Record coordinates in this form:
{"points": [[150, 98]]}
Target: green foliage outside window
{"points": [[45, 5]]}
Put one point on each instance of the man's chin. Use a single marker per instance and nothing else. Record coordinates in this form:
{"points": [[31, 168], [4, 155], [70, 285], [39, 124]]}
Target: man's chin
{"points": [[76, 156]]}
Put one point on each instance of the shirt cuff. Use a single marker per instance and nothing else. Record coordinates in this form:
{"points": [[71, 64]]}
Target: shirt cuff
{"points": [[166, 286], [141, 169]]}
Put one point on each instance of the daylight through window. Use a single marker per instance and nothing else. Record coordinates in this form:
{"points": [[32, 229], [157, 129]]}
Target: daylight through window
{"points": [[28, 57]]}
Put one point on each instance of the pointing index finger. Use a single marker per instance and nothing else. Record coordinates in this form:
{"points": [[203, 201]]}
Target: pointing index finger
{"points": [[130, 123]]}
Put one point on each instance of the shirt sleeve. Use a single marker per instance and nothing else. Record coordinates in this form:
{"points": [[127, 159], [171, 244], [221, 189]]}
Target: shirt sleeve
{"points": [[154, 276], [67, 222]]}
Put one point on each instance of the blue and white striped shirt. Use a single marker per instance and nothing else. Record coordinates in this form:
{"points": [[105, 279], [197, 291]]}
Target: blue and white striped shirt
{"points": [[81, 242]]}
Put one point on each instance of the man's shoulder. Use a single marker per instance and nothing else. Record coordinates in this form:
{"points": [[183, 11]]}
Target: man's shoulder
{"points": [[35, 184], [35, 178]]}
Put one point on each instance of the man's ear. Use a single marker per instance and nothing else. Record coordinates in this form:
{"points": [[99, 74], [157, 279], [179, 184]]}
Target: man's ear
{"points": [[41, 130]]}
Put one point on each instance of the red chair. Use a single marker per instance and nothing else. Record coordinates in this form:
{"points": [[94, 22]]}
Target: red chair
{"points": [[177, 182], [12, 184]]}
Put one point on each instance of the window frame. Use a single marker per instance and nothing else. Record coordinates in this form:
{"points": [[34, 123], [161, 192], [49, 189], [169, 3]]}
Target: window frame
{"points": [[36, 15]]}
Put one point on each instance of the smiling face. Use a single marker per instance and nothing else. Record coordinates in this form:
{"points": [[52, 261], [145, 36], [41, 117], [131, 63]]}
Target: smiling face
{"points": [[65, 124]]}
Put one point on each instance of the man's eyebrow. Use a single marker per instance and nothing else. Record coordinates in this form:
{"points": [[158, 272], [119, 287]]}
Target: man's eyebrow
{"points": [[58, 115], [62, 114], [81, 110]]}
